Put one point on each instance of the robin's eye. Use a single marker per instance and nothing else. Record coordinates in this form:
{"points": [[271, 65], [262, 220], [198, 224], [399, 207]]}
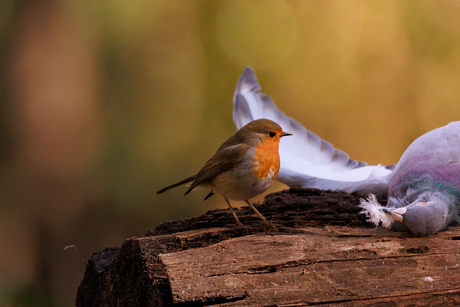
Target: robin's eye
{"points": [[272, 134]]}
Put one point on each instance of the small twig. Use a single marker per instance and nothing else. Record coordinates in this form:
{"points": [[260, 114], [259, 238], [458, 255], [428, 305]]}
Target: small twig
{"points": [[79, 254]]}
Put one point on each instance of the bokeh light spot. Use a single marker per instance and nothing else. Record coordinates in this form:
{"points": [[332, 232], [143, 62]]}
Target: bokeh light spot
{"points": [[257, 33]]}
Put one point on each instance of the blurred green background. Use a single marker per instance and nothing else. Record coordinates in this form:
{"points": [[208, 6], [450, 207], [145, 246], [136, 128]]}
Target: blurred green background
{"points": [[104, 102]]}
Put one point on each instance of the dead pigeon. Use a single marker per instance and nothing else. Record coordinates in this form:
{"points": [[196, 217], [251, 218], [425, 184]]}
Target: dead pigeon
{"points": [[423, 190]]}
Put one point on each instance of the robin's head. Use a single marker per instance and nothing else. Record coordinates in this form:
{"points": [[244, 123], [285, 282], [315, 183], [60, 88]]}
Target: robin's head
{"points": [[261, 130]]}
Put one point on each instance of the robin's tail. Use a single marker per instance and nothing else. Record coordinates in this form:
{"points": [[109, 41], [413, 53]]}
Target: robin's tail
{"points": [[306, 159], [183, 181]]}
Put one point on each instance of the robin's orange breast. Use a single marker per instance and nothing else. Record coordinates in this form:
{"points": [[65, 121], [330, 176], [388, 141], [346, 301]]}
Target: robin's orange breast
{"points": [[267, 159]]}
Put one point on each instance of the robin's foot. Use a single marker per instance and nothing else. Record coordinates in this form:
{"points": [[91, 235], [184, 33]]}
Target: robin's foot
{"points": [[238, 223], [264, 220], [258, 213], [270, 225]]}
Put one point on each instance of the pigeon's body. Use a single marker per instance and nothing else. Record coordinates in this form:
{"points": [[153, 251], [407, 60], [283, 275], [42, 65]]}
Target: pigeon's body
{"points": [[426, 182], [423, 190], [435, 154]]}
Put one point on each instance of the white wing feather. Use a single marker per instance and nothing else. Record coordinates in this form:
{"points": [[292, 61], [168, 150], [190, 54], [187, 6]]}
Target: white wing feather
{"points": [[306, 159], [374, 212]]}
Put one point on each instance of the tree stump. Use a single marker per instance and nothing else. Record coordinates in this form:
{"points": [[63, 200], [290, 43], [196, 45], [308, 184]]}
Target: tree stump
{"points": [[321, 252]]}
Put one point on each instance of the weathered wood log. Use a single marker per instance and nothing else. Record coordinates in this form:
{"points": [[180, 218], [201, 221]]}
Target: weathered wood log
{"points": [[322, 252]]}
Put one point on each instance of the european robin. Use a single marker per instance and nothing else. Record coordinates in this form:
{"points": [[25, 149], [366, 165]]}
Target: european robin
{"points": [[243, 167]]}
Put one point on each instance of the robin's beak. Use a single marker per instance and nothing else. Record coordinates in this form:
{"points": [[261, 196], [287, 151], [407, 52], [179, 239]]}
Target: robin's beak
{"points": [[285, 134]]}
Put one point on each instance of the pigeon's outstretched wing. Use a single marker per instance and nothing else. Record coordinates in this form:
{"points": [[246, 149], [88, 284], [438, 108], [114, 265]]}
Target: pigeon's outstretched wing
{"points": [[424, 188], [306, 159]]}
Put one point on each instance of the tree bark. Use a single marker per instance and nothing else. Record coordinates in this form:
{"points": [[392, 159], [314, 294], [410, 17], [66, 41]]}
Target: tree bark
{"points": [[320, 252]]}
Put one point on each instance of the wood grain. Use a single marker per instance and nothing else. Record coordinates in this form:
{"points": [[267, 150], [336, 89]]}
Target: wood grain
{"points": [[325, 255]]}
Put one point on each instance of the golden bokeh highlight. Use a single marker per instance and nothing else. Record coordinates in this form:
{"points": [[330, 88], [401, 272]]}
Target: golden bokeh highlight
{"points": [[248, 30]]}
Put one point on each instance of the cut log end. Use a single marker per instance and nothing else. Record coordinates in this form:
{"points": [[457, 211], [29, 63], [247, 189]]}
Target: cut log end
{"points": [[321, 252]]}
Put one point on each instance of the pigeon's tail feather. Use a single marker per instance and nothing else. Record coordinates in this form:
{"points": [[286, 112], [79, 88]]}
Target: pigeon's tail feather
{"points": [[374, 212], [306, 159]]}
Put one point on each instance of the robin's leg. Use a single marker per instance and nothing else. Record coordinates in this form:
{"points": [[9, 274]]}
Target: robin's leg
{"points": [[258, 213], [233, 212]]}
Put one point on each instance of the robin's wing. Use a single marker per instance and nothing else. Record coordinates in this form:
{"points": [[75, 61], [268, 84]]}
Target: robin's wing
{"points": [[223, 160], [306, 159]]}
